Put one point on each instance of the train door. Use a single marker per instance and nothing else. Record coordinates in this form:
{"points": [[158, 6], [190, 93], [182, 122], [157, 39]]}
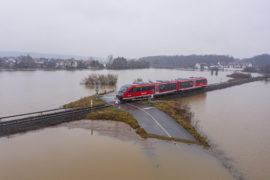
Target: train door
{"points": [[157, 89]]}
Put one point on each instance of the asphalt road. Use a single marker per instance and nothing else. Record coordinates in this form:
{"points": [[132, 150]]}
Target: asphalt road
{"points": [[152, 120]]}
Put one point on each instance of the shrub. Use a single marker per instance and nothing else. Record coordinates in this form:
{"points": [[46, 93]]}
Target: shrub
{"points": [[238, 75], [101, 79]]}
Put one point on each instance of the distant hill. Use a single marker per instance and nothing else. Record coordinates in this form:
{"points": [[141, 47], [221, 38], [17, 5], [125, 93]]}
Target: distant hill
{"points": [[45, 55], [189, 61], [259, 61], [185, 61]]}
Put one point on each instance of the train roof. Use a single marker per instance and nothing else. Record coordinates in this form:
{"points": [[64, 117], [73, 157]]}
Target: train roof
{"points": [[142, 83], [196, 77], [126, 86], [161, 81], [179, 79]]}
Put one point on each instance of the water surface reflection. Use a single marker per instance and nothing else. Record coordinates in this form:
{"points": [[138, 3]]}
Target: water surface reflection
{"points": [[236, 121], [71, 151]]}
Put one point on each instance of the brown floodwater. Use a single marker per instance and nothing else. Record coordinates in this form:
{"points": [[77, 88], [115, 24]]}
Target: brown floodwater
{"points": [[237, 122], [102, 150]]}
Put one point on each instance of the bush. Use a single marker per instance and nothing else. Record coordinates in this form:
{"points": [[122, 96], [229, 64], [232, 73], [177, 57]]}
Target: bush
{"points": [[250, 69], [101, 79], [266, 69], [138, 80], [238, 75]]}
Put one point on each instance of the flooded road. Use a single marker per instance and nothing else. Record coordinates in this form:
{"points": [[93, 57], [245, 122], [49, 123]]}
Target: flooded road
{"points": [[236, 120], [84, 150]]}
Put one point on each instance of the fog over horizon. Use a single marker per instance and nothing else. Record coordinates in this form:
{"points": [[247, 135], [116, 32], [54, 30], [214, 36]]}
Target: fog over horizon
{"points": [[136, 28]]}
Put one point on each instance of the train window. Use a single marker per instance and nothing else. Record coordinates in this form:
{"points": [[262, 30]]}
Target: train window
{"points": [[167, 87], [132, 90], [186, 84], [138, 89], [201, 81], [135, 89], [162, 87], [144, 88], [147, 88]]}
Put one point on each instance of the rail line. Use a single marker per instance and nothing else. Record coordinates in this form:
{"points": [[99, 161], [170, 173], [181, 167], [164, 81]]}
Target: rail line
{"points": [[37, 112], [35, 122], [216, 86]]}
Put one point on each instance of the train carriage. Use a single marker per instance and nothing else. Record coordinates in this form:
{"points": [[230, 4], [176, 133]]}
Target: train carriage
{"points": [[143, 90]]}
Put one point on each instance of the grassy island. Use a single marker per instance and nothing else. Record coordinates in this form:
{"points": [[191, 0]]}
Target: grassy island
{"points": [[238, 76], [117, 115], [107, 113], [85, 102]]}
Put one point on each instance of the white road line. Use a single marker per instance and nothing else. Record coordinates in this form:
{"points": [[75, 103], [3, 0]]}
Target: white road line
{"points": [[107, 97], [148, 108], [161, 127]]}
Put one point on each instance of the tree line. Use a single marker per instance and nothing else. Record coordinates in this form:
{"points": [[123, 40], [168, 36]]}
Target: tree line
{"points": [[189, 61], [123, 63]]}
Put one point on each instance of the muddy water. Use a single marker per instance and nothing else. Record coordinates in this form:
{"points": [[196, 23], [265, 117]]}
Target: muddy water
{"points": [[236, 120], [28, 91], [84, 150]]}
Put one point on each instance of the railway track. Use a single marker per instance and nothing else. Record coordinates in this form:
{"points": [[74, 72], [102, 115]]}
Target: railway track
{"points": [[39, 121], [212, 87]]}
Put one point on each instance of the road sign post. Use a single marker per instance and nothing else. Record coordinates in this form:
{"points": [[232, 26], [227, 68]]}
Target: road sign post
{"points": [[151, 98], [97, 92], [117, 104], [91, 103]]}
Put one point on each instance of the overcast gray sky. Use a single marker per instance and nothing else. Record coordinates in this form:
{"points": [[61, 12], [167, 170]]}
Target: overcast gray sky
{"points": [[135, 28]]}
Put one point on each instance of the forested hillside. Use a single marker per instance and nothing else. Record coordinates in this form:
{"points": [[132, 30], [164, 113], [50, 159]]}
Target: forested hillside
{"points": [[185, 61]]}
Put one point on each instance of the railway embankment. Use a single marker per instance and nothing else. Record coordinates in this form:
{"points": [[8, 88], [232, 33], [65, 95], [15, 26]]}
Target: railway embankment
{"points": [[46, 120], [70, 112], [217, 86]]}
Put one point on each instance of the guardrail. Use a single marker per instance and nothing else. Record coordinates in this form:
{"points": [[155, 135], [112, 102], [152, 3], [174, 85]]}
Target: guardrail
{"points": [[35, 122], [37, 112]]}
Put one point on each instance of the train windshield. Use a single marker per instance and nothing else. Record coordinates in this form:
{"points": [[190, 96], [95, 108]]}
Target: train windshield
{"points": [[123, 89]]}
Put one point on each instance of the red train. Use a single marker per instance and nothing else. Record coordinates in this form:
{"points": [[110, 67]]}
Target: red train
{"points": [[143, 90]]}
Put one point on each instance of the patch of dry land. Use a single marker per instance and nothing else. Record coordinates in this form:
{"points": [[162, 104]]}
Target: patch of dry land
{"points": [[172, 108]]}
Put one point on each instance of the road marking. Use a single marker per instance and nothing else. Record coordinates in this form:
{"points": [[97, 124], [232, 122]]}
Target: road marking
{"points": [[161, 127], [107, 97], [148, 108]]}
